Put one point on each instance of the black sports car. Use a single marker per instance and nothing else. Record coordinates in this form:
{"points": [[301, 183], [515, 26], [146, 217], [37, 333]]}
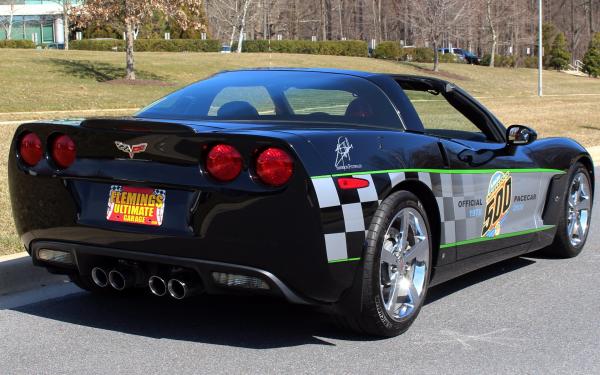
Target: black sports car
{"points": [[347, 190]]}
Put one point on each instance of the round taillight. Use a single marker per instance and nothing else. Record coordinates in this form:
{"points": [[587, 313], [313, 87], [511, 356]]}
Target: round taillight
{"points": [[63, 151], [224, 162], [274, 166], [30, 149]]}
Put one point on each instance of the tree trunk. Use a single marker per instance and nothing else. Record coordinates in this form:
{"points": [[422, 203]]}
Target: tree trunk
{"points": [[493, 31], [591, 16], [323, 20], [66, 5], [341, 5], [436, 57], [129, 38], [10, 22], [243, 25], [232, 36]]}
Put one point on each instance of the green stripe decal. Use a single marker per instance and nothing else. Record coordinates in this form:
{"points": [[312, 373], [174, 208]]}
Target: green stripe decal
{"points": [[500, 236], [343, 260], [447, 171]]}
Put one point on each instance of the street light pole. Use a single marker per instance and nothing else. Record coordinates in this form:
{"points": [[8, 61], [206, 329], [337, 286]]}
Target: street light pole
{"points": [[540, 49]]}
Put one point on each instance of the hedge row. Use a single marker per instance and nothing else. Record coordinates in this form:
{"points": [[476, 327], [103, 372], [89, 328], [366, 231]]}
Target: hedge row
{"points": [[393, 51], [17, 44], [338, 48], [510, 61], [148, 45]]}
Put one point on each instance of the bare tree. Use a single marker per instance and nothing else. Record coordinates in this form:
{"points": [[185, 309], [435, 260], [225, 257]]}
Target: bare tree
{"points": [[6, 22], [496, 11], [234, 15], [435, 17], [133, 12], [417, 22], [242, 23]]}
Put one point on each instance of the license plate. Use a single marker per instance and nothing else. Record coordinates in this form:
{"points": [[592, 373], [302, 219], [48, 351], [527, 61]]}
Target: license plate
{"points": [[136, 205]]}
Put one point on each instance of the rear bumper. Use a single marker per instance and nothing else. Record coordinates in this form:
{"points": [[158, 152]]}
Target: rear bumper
{"points": [[86, 257]]}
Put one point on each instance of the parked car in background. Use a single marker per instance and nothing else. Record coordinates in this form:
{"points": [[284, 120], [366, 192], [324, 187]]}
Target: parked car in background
{"points": [[464, 55], [225, 48]]}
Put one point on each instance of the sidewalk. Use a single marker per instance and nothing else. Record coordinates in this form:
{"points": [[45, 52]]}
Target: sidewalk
{"points": [[13, 268]]}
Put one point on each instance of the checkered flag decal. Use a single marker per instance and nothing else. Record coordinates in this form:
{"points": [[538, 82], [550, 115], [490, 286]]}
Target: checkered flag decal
{"points": [[346, 214]]}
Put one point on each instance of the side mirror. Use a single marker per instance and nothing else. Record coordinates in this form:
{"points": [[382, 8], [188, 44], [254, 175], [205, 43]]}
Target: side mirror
{"points": [[520, 135]]}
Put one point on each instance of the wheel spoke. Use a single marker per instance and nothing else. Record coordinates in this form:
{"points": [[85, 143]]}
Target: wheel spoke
{"points": [[583, 204], [389, 258], [417, 251], [404, 231]]}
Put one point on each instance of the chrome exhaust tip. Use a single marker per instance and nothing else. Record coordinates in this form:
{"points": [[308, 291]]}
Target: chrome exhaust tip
{"points": [[157, 285], [120, 280], [99, 277], [185, 287], [178, 289]]}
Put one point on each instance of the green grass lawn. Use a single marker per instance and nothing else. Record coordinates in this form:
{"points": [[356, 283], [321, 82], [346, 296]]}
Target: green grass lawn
{"points": [[75, 82]]}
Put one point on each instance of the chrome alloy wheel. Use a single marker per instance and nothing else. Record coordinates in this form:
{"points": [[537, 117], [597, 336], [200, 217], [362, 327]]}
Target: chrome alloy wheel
{"points": [[578, 209], [404, 264]]}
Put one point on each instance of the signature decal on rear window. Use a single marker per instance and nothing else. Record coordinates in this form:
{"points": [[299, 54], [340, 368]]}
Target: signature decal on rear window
{"points": [[497, 203]]}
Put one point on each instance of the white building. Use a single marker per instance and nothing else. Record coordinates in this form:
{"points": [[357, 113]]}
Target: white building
{"points": [[37, 20]]}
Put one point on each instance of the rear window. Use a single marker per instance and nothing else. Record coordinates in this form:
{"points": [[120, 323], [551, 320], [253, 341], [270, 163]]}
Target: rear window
{"points": [[278, 96]]}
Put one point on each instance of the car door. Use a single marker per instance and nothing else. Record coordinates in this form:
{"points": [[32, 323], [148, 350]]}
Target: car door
{"points": [[493, 195]]}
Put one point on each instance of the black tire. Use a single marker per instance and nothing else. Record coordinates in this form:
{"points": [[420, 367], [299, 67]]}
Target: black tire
{"points": [[562, 246], [372, 318]]}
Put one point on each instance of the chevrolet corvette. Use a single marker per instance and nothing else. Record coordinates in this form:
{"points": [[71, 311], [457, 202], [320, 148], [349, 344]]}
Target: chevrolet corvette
{"points": [[351, 191]]}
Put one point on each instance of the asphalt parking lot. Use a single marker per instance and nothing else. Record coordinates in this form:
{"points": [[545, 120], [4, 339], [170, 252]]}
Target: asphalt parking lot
{"points": [[529, 315]]}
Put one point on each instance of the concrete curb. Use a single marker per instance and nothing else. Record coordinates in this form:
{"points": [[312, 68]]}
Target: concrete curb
{"points": [[18, 274]]}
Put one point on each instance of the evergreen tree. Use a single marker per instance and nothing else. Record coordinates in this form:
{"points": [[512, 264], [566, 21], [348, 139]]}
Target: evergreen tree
{"points": [[591, 60], [559, 55]]}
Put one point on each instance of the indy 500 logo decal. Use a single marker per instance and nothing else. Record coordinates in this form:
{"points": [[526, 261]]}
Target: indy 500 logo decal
{"points": [[497, 203], [342, 159]]}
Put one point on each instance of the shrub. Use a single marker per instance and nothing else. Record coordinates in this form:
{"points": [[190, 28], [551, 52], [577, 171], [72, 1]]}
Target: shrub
{"points": [[559, 55], [500, 61], [17, 44], [591, 59], [424, 55], [388, 50], [530, 62], [97, 44], [339, 48], [447, 58], [148, 45]]}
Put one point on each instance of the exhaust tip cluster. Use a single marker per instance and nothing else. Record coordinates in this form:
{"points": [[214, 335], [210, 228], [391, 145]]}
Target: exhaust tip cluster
{"points": [[158, 285]]}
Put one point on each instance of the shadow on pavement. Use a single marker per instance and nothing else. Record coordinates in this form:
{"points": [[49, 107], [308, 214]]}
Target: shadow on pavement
{"points": [[241, 321], [442, 290]]}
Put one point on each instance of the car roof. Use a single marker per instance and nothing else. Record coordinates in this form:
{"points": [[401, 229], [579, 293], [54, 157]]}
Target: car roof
{"points": [[355, 73]]}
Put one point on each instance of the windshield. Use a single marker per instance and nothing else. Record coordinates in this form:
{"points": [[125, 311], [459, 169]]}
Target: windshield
{"points": [[276, 96]]}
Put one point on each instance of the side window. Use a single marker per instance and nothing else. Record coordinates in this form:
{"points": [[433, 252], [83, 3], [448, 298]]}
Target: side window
{"points": [[308, 101], [246, 101], [441, 118]]}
